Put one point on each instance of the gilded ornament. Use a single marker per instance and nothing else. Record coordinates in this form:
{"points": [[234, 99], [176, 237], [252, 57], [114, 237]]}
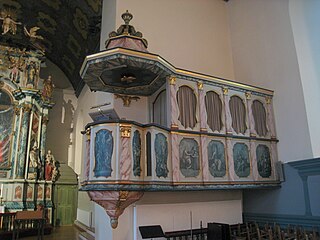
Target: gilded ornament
{"points": [[88, 133], [126, 99], [27, 107], [248, 95], [172, 80], [268, 100], [200, 85], [225, 90], [125, 131]]}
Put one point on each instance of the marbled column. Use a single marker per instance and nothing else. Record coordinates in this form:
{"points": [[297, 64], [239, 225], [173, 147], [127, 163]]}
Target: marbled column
{"points": [[250, 115], [125, 158], [253, 164], [175, 157], [23, 141], [173, 102], [230, 159], [228, 120], [204, 158], [15, 139], [270, 118], [203, 111]]}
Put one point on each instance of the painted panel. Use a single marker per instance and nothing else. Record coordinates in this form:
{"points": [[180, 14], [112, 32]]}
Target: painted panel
{"points": [[103, 149], [136, 153], [241, 160], [263, 161], [216, 158], [6, 122], [189, 157], [161, 151]]}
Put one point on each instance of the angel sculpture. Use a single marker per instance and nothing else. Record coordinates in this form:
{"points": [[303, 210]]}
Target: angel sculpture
{"points": [[8, 24], [32, 33]]}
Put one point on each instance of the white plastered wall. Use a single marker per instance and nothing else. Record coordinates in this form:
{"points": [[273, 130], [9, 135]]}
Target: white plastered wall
{"points": [[305, 19], [264, 54], [192, 35]]}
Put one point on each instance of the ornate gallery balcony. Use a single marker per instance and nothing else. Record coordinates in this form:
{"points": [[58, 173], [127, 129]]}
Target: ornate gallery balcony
{"points": [[125, 155]]}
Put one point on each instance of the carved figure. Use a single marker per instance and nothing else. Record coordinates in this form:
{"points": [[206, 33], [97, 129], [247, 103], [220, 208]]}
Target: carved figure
{"points": [[35, 166], [49, 166], [8, 24], [48, 87], [16, 66], [32, 33], [32, 75]]}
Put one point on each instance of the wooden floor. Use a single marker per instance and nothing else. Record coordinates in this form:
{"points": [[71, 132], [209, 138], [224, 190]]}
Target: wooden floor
{"points": [[59, 233]]}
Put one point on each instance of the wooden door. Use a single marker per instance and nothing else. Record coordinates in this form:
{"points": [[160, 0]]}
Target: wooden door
{"points": [[66, 204]]}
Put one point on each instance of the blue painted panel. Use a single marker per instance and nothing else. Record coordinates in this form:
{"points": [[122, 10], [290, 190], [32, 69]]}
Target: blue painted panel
{"points": [[314, 194], [216, 158], [263, 161], [241, 160], [103, 149], [161, 150], [289, 199], [189, 157], [136, 153]]}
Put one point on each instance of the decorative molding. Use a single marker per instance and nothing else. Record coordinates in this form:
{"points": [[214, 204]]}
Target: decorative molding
{"points": [[127, 99], [268, 100], [225, 90]]}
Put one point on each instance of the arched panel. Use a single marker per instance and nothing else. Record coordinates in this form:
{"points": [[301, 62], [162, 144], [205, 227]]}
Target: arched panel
{"points": [[238, 114], [214, 110], [187, 102]]}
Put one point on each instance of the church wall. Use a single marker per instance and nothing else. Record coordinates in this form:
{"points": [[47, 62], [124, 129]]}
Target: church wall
{"points": [[265, 55], [305, 16], [178, 31]]}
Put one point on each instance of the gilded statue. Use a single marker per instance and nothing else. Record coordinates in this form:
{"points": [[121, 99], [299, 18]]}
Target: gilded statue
{"points": [[8, 24], [48, 87]]}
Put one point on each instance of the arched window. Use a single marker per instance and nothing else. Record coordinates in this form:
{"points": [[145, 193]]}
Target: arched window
{"points": [[214, 109], [6, 122], [238, 114], [187, 103], [160, 109], [259, 116]]}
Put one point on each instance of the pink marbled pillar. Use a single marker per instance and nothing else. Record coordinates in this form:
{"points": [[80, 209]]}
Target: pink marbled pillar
{"points": [[253, 162], [203, 111], [87, 166], [270, 118], [125, 159], [175, 157], [250, 116], [173, 102], [228, 119], [204, 158], [230, 159]]}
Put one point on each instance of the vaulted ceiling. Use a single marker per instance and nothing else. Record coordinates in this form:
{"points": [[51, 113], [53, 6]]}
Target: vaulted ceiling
{"points": [[70, 28]]}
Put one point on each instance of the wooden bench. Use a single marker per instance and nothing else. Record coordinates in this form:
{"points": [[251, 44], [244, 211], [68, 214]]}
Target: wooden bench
{"points": [[28, 220]]}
